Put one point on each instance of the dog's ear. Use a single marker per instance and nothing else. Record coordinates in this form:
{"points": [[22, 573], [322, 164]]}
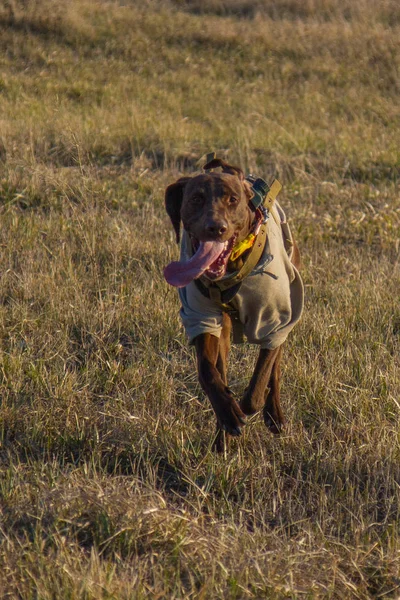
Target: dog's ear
{"points": [[248, 189], [173, 203], [226, 168]]}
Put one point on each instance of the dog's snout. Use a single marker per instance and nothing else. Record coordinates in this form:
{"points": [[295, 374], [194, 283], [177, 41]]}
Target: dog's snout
{"points": [[216, 227]]}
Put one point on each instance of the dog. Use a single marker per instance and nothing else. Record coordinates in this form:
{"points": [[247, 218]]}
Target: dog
{"points": [[238, 265]]}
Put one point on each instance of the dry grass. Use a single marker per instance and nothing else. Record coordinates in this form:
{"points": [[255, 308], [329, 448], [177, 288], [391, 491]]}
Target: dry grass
{"points": [[108, 487]]}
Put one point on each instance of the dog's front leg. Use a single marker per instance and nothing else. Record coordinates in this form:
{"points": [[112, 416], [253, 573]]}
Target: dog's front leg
{"points": [[266, 374], [229, 414]]}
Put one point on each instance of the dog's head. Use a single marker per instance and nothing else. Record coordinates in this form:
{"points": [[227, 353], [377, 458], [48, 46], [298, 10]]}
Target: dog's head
{"points": [[212, 206], [214, 210]]}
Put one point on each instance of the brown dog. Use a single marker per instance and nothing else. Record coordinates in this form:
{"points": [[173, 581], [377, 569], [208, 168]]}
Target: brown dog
{"points": [[238, 265]]}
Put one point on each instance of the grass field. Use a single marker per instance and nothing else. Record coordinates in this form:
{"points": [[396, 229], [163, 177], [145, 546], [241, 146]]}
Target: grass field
{"points": [[108, 486]]}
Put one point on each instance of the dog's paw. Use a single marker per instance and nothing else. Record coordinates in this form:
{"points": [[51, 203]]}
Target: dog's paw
{"points": [[230, 416], [274, 422]]}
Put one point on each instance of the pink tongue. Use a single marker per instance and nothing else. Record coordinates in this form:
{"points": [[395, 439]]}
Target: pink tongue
{"points": [[181, 273]]}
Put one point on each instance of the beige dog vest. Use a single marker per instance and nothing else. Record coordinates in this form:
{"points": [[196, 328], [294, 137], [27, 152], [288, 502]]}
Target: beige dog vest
{"points": [[269, 302]]}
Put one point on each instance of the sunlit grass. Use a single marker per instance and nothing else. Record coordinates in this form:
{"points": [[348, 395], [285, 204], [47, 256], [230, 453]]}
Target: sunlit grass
{"points": [[108, 485]]}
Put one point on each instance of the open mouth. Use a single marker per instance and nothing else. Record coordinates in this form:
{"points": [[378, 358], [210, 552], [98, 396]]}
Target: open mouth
{"points": [[210, 259], [217, 268]]}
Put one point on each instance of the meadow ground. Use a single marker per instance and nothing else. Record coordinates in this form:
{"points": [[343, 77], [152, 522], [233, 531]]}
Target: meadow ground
{"points": [[108, 486]]}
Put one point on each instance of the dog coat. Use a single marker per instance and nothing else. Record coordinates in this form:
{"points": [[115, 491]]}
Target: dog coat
{"points": [[269, 302]]}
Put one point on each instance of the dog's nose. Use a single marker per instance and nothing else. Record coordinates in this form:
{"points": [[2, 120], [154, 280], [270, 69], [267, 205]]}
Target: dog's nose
{"points": [[216, 227]]}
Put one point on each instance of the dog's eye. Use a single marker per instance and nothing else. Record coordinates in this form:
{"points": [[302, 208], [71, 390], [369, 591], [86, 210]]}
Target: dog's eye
{"points": [[233, 200], [197, 200]]}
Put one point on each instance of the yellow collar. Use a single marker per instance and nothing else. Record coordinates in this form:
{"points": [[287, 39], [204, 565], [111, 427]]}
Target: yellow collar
{"points": [[242, 246]]}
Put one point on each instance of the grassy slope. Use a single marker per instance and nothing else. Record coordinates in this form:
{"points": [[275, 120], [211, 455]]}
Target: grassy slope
{"points": [[108, 488]]}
